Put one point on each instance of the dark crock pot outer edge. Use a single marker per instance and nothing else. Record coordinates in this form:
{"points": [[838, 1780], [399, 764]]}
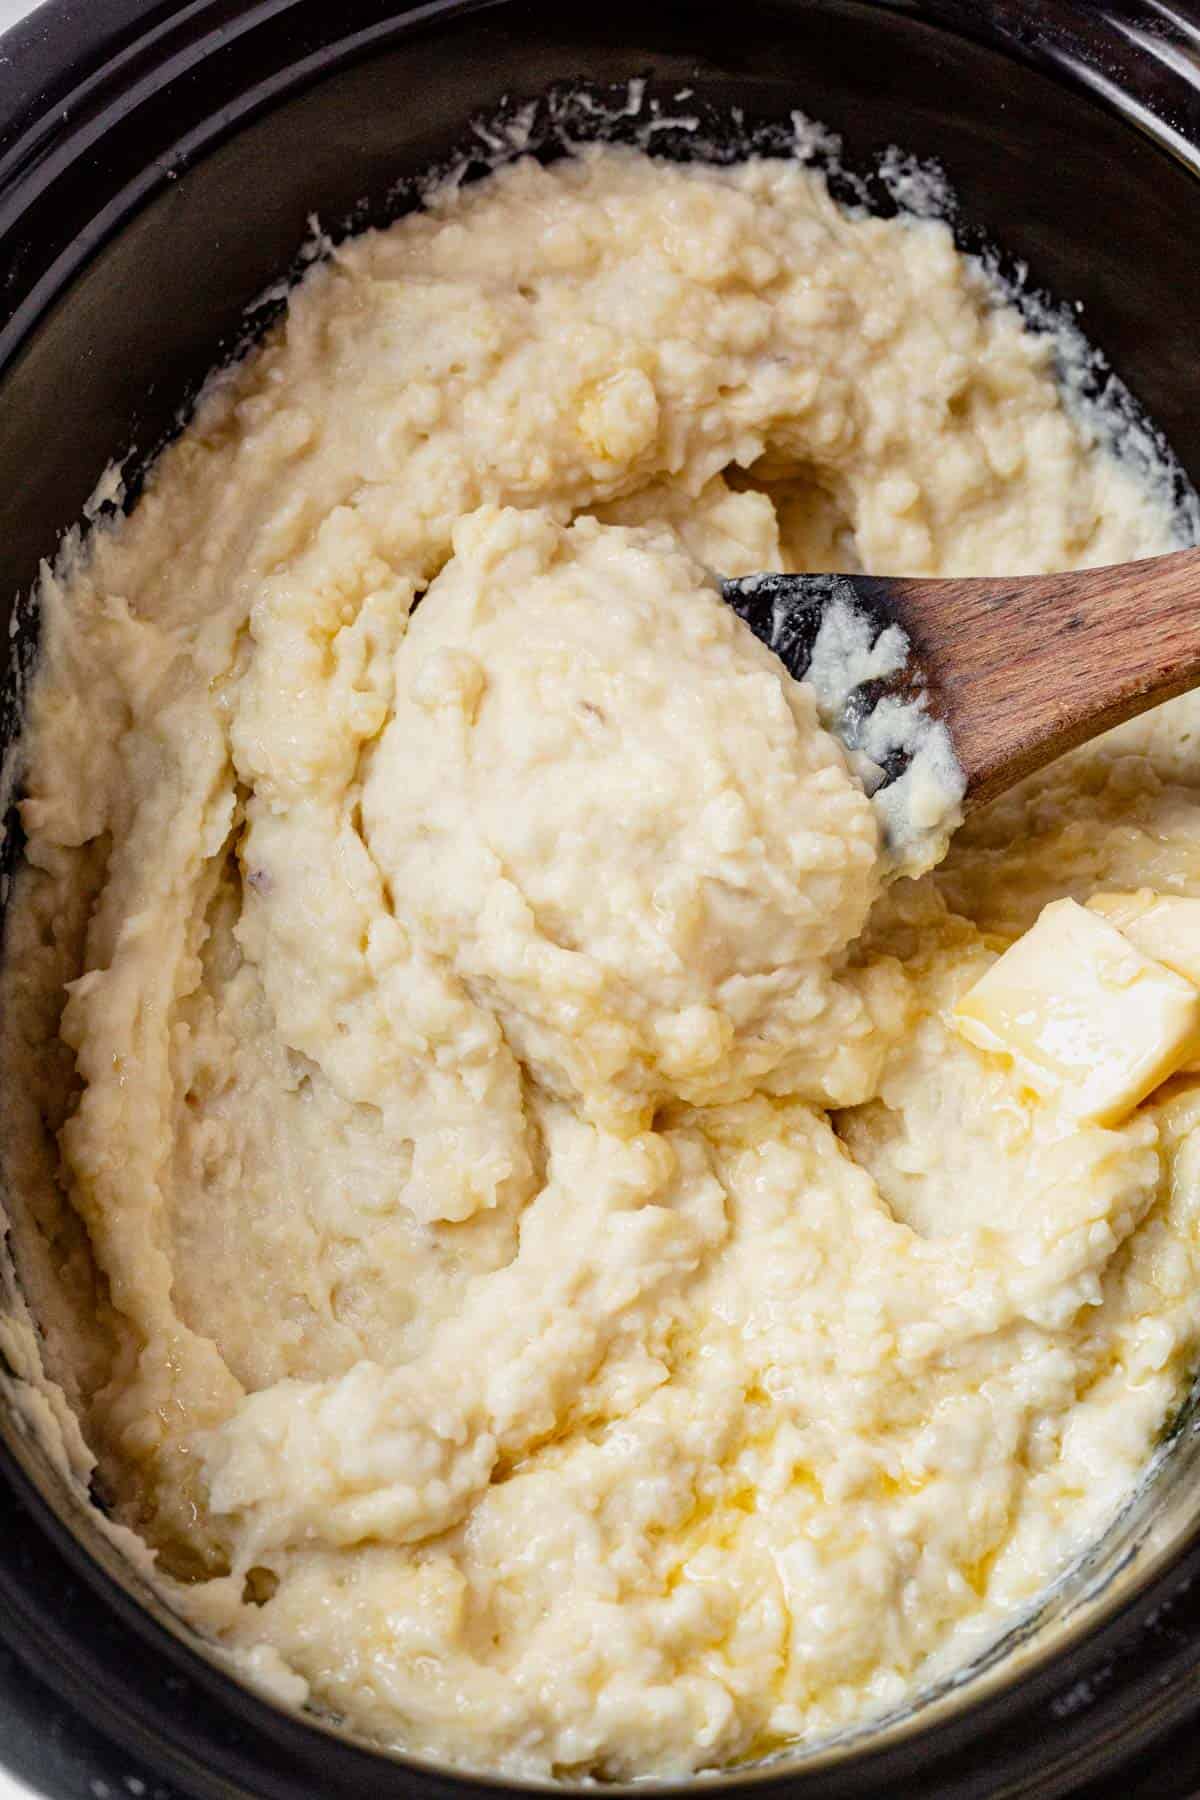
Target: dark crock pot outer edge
{"points": [[67, 72]]}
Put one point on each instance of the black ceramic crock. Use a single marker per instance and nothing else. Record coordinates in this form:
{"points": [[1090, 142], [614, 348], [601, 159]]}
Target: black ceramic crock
{"points": [[159, 160]]}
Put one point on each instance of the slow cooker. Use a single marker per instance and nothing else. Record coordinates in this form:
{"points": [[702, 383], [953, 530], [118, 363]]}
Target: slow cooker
{"points": [[159, 164]]}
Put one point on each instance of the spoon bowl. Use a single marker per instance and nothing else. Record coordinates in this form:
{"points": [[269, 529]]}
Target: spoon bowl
{"points": [[973, 684]]}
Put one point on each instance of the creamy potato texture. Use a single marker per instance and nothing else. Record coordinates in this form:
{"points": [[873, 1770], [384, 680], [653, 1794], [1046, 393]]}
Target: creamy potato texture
{"points": [[491, 1158]]}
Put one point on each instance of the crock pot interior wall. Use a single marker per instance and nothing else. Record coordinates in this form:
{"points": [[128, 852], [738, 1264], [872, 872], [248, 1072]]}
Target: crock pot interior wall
{"points": [[197, 195]]}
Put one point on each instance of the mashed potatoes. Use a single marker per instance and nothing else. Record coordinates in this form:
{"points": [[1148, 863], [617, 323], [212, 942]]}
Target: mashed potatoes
{"points": [[491, 1160]]}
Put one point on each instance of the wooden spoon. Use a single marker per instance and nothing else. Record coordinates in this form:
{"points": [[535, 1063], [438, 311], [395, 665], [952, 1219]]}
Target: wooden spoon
{"points": [[1018, 668]]}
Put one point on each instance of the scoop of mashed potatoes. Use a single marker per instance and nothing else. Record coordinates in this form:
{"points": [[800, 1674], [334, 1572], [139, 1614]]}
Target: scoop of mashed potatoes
{"points": [[489, 1156], [613, 811]]}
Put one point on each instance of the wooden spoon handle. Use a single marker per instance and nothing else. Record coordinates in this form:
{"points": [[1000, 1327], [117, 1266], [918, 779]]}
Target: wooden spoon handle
{"points": [[1024, 668]]}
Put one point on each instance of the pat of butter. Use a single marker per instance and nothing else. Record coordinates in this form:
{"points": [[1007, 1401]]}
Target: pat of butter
{"points": [[1164, 926], [1085, 1016]]}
